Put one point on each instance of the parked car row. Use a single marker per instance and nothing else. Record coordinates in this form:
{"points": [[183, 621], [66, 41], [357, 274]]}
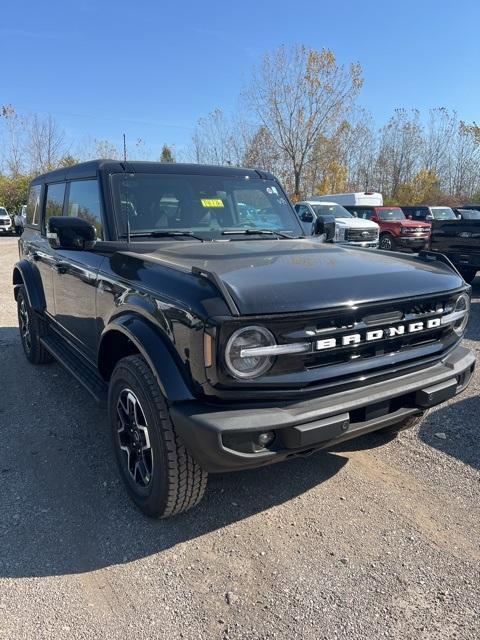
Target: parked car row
{"points": [[12, 224], [361, 219]]}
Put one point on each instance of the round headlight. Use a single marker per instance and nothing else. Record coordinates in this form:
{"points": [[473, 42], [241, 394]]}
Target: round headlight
{"points": [[462, 308], [239, 362]]}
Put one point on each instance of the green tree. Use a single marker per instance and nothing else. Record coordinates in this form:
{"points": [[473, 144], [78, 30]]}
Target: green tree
{"points": [[167, 154]]}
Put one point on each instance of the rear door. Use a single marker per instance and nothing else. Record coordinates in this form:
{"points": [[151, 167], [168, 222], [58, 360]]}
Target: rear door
{"points": [[41, 206]]}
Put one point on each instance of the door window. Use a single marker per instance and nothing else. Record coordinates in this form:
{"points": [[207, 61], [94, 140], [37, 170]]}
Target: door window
{"points": [[84, 202], [366, 214], [54, 201], [33, 205]]}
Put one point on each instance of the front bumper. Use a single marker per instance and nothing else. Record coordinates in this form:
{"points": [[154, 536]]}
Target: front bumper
{"points": [[309, 425], [373, 244], [413, 242]]}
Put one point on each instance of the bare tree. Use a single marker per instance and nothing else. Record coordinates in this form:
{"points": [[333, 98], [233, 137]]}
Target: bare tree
{"points": [[46, 143], [219, 140], [399, 147], [14, 146], [298, 95]]}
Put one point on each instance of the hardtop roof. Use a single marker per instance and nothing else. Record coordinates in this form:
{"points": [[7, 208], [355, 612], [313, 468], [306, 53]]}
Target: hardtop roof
{"points": [[93, 168]]}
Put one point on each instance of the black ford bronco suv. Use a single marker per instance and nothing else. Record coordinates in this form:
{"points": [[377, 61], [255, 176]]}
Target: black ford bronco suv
{"points": [[220, 339]]}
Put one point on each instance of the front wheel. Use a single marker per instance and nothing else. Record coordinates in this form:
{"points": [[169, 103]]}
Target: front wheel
{"points": [[386, 242], [468, 275], [161, 476]]}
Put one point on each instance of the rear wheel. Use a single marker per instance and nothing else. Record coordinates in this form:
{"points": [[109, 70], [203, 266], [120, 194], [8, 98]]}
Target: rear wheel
{"points": [[468, 275], [409, 423], [386, 242], [161, 476], [32, 328]]}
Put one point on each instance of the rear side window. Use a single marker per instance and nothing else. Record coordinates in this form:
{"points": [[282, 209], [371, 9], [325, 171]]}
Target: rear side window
{"points": [[54, 201], [84, 202], [366, 214], [33, 205]]}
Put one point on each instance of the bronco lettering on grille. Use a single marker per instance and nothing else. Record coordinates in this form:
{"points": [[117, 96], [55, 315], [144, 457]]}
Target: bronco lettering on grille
{"points": [[377, 334]]}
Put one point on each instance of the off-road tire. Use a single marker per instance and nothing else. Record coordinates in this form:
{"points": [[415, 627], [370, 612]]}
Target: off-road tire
{"points": [[33, 348], [409, 423], [468, 275], [386, 242], [177, 481]]}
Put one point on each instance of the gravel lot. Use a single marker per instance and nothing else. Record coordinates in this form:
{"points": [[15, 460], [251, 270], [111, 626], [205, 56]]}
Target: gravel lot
{"points": [[377, 539]]}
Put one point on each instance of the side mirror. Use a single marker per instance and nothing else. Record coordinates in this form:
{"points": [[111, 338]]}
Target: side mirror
{"points": [[307, 216], [429, 216], [409, 217], [459, 216], [70, 233], [325, 225]]}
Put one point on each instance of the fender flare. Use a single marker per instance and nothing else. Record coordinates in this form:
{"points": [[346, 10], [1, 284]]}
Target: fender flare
{"points": [[164, 363], [24, 272]]}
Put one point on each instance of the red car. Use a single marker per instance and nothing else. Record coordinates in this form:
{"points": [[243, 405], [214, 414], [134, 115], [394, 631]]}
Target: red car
{"points": [[396, 231]]}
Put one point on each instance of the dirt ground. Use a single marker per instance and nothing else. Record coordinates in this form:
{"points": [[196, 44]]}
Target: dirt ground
{"points": [[376, 539]]}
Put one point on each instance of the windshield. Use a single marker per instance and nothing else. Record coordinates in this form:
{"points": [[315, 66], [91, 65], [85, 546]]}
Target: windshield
{"points": [[469, 214], [335, 210], [3, 211], [395, 213], [205, 206], [443, 213]]}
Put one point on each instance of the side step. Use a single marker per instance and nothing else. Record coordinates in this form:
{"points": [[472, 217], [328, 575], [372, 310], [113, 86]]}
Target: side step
{"points": [[66, 355]]}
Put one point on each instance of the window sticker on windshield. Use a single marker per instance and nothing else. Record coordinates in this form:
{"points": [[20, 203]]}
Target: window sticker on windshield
{"points": [[211, 203], [274, 190], [269, 190]]}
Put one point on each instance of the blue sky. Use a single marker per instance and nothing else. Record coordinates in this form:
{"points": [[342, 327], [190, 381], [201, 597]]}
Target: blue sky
{"points": [[152, 68]]}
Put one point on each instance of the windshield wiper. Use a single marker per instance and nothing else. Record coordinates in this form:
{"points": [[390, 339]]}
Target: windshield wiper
{"points": [[257, 232], [164, 234]]}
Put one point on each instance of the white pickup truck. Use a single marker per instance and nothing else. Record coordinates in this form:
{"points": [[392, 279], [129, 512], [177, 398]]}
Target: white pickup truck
{"points": [[348, 229], [5, 221]]}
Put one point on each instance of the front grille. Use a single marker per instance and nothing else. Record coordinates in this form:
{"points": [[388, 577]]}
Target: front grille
{"points": [[415, 230], [4, 223], [361, 235], [379, 353]]}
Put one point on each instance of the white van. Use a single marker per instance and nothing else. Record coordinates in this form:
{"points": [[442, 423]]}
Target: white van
{"points": [[371, 198], [348, 229]]}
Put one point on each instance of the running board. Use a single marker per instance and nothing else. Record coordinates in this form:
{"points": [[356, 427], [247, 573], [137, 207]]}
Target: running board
{"points": [[73, 362]]}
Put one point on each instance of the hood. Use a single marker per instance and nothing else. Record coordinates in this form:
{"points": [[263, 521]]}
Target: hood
{"points": [[355, 223], [284, 276]]}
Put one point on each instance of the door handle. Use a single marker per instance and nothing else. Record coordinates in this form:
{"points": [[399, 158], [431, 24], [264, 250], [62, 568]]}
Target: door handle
{"points": [[61, 267]]}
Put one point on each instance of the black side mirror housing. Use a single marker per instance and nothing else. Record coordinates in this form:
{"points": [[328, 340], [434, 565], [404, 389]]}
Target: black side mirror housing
{"points": [[306, 217], [70, 233], [325, 225]]}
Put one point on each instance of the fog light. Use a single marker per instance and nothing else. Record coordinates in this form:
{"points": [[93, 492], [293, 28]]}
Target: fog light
{"points": [[266, 438]]}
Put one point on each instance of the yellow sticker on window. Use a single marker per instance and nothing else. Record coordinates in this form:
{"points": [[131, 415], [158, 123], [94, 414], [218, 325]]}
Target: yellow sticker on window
{"points": [[210, 203]]}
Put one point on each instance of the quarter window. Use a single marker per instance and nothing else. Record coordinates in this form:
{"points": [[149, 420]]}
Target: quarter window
{"points": [[54, 202], [84, 202], [33, 205]]}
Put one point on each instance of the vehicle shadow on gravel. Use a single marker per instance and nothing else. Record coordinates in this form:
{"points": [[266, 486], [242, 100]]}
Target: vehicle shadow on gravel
{"points": [[63, 508], [454, 429]]}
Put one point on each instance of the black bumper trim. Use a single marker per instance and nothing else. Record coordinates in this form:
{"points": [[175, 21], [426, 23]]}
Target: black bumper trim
{"points": [[320, 422]]}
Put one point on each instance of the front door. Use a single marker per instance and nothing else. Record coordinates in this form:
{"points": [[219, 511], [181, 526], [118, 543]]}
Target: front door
{"points": [[76, 271]]}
